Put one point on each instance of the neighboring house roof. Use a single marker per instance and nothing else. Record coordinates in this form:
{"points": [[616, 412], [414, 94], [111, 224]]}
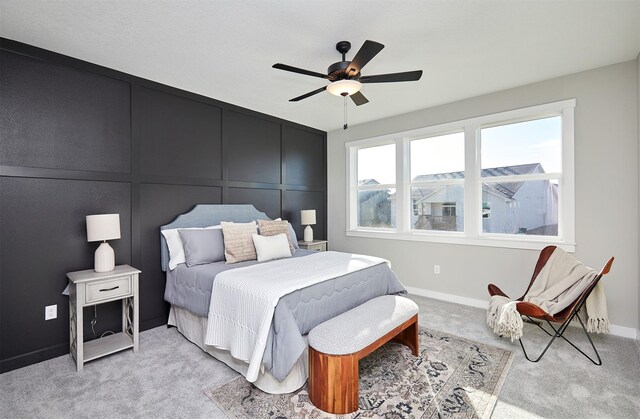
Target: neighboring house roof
{"points": [[368, 182], [417, 193], [506, 190]]}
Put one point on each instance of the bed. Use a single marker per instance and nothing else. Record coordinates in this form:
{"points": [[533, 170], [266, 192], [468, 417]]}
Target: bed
{"points": [[254, 316]]}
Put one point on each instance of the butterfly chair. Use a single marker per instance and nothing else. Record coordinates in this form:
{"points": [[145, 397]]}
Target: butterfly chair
{"points": [[532, 311]]}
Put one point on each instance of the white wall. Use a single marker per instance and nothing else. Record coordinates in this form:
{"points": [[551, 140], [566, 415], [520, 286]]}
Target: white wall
{"points": [[607, 190]]}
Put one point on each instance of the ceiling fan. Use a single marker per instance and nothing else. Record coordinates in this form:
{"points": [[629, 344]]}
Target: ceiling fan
{"points": [[345, 76]]}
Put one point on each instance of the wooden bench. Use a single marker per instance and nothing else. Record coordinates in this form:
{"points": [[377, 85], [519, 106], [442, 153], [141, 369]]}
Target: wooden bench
{"points": [[336, 346]]}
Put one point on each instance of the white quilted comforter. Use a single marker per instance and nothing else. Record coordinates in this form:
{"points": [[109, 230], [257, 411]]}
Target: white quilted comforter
{"points": [[243, 300]]}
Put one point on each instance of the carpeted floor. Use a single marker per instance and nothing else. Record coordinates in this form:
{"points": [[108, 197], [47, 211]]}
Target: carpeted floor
{"points": [[451, 377], [168, 376]]}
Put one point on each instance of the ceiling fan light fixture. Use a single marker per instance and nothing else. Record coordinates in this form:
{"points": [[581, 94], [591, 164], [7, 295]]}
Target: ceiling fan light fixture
{"points": [[344, 87]]}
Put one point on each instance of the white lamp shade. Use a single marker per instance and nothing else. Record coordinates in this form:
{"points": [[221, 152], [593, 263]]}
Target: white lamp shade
{"points": [[103, 227], [308, 217], [344, 87]]}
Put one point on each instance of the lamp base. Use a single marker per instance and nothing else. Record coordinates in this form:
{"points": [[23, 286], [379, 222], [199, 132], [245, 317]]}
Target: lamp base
{"points": [[105, 258], [308, 234]]}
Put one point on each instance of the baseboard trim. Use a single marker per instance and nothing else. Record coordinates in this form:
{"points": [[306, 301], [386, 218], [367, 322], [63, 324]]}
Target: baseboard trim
{"points": [[153, 323], [451, 298], [23, 360], [622, 331]]}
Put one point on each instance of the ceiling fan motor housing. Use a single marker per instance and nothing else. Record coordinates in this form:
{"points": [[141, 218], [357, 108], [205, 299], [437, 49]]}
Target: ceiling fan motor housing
{"points": [[336, 71]]}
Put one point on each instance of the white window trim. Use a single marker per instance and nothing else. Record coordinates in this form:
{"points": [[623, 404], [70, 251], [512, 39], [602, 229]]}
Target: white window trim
{"points": [[473, 234]]}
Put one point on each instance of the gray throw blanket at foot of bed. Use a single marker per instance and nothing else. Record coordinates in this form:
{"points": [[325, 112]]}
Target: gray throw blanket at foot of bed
{"points": [[559, 283]]}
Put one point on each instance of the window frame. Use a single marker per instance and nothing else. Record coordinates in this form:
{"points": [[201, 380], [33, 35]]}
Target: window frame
{"points": [[436, 183], [355, 187], [472, 214]]}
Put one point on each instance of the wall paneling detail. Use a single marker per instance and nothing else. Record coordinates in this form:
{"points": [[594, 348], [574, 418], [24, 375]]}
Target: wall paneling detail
{"points": [[79, 139]]}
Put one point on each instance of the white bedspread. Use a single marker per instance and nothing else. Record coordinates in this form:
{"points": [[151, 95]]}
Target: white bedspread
{"points": [[243, 300]]}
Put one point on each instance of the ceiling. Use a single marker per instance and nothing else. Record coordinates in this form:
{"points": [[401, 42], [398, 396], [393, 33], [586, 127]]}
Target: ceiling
{"points": [[225, 49]]}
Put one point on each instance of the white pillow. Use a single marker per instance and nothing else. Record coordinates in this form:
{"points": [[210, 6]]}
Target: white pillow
{"points": [[174, 243], [271, 247]]}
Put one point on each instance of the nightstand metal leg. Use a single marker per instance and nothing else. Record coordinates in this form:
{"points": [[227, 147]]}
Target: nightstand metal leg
{"points": [[79, 328], [125, 315], [136, 318], [73, 334]]}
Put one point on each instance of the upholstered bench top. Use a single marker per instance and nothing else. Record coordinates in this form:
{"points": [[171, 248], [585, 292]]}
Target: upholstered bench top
{"points": [[361, 326]]}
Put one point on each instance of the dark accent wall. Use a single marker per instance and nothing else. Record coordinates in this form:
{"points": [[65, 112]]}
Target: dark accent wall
{"points": [[79, 139]]}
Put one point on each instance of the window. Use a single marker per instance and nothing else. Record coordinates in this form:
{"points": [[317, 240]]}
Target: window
{"points": [[376, 186], [437, 182], [498, 180], [521, 170]]}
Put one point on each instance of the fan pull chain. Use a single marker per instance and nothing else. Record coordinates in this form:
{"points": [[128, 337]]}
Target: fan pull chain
{"points": [[345, 113]]}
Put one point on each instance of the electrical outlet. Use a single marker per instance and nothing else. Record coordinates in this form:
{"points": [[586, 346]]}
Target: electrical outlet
{"points": [[51, 312], [436, 269]]}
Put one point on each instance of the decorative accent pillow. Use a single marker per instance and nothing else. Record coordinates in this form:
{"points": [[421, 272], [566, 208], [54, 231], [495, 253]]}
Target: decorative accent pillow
{"points": [[271, 247], [202, 246], [174, 243], [272, 228], [293, 237], [238, 243]]}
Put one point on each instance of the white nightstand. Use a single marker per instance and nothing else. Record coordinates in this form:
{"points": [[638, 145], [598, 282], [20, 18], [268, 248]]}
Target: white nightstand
{"points": [[319, 245], [88, 288]]}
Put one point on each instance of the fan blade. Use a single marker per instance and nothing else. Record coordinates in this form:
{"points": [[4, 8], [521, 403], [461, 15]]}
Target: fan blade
{"points": [[359, 99], [306, 95], [299, 71], [368, 50], [392, 77]]}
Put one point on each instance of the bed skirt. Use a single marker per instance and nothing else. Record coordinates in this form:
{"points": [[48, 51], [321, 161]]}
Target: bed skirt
{"points": [[194, 327]]}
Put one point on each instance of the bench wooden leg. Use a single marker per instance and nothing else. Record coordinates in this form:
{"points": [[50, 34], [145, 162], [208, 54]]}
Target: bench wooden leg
{"points": [[333, 382], [409, 336]]}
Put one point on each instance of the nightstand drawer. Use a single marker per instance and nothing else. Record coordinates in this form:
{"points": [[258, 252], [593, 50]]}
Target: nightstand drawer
{"points": [[317, 245], [106, 290], [320, 247]]}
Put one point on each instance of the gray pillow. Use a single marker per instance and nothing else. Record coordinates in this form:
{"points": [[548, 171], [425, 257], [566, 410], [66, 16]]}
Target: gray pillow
{"points": [[292, 237], [202, 246]]}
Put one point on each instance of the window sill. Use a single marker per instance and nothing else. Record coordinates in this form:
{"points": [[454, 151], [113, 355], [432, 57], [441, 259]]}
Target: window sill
{"points": [[531, 243]]}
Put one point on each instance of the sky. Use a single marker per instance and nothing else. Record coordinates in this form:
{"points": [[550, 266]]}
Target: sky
{"points": [[537, 141]]}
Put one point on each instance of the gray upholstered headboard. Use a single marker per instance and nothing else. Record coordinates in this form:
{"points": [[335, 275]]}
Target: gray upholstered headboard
{"points": [[205, 215]]}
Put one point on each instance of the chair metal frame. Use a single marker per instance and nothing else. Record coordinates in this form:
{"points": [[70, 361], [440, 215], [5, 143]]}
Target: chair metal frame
{"points": [[564, 318]]}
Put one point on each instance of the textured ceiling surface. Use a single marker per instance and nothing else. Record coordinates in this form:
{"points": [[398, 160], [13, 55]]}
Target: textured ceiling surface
{"points": [[225, 49]]}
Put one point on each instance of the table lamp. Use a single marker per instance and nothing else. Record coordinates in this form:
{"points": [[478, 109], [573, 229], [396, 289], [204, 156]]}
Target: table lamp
{"points": [[103, 227], [308, 218]]}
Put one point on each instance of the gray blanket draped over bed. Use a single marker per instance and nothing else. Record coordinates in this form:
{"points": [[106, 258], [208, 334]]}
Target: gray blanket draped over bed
{"points": [[296, 313]]}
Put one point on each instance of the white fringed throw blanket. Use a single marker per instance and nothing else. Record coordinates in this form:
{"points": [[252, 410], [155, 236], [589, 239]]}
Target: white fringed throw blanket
{"points": [[559, 283], [243, 300]]}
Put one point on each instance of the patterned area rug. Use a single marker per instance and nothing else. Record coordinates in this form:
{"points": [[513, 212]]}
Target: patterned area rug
{"points": [[452, 377]]}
